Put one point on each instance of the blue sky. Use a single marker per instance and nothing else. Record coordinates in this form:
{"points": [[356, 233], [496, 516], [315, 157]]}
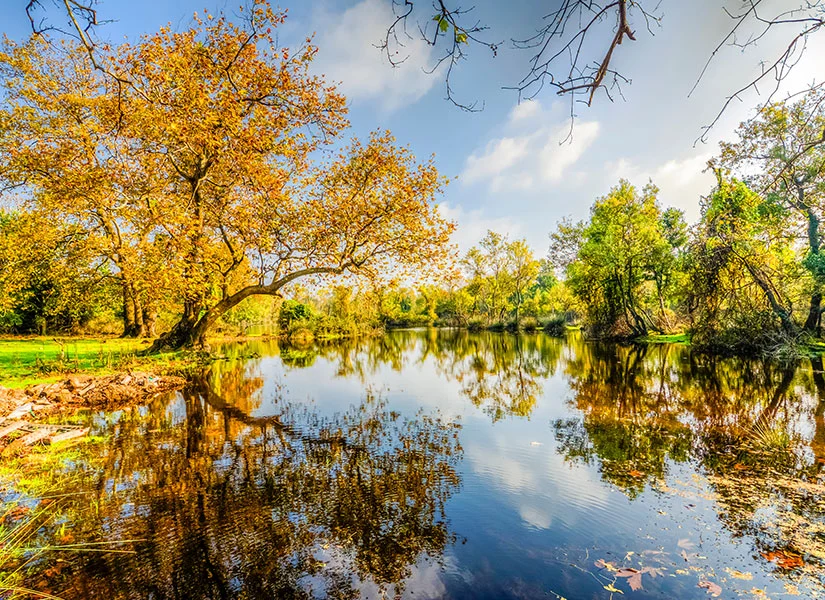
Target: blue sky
{"points": [[508, 168]]}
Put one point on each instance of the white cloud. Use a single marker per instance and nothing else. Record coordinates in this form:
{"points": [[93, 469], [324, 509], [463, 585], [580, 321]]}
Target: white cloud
{"points": [[681, 182], [541, 153], [499, 156], [473, 225], [348, 54], [555, 158], [525, 110]]}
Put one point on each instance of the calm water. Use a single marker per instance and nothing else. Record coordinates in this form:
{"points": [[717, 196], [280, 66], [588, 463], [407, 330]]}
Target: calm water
{"points": [[442, 464]]}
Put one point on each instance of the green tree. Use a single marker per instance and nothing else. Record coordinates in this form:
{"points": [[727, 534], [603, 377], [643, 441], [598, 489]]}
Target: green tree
{"points": [[620, 251], [523, 269], [744, 269], [781, 154]]}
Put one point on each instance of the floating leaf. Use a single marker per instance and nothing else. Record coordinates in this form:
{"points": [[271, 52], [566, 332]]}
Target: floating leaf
{"points": [[712, 588], [686, 544], [634, 577], [785, 560], [739, 574], [614, 589], [605, 565]]}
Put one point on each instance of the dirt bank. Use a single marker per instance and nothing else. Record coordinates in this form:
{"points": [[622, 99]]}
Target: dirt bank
{"points": [[84, 391]]}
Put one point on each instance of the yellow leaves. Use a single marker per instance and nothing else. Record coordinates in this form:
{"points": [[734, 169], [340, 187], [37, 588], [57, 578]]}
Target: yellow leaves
{"points": [[739, 574]]}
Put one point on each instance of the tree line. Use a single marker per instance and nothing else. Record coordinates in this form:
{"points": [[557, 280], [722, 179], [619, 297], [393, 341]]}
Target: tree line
{"points": [[195, 178]]}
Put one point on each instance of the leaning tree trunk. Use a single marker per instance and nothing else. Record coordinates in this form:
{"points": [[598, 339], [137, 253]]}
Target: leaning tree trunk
{"points": [[815, 306], [190, 331], [186, 333]]}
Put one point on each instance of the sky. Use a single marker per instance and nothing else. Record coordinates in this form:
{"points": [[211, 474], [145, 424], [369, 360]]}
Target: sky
{"points": [[511, 166]]}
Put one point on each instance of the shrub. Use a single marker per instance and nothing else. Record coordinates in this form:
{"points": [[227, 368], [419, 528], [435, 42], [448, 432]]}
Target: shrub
{"points": [[555, 325], [475, 324], [529, 324]]}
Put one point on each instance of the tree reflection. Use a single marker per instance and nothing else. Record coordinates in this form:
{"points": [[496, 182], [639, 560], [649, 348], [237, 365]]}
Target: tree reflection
{"points": [[500, 373], [293, 505], [755, 426]]}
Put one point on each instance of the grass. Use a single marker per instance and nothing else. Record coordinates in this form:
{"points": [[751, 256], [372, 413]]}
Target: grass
{"points": [[26, 361], [35, 520], [665, 338]]}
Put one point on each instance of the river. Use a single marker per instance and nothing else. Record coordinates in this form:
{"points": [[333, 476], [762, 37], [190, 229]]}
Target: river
{"points": [[447, 464]]}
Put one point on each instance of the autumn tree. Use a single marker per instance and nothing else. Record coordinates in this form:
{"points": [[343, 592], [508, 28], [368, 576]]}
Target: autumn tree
{"points": [[212, 164], [524, 269], [63, 144]]}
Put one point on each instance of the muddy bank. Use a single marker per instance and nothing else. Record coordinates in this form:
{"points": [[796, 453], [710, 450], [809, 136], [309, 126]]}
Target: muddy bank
{"points": [[84, 391]]}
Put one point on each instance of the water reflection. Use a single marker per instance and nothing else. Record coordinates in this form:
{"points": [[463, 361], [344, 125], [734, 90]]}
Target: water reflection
{"points": [[337, 470], [291, 505]]}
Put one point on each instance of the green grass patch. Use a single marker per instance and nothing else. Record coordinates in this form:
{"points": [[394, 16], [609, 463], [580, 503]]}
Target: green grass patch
{"points": [[26, 361], [662, 338]]}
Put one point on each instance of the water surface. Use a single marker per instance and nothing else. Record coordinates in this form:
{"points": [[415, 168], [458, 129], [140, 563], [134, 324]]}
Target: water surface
{"points": [[445, 464]]}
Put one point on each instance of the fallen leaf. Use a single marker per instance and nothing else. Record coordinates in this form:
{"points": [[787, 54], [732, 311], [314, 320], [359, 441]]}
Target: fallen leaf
{"points": [[605, 565], [686, 544], [739, 574], [687, 556], [654, 571], [785, 560], [712, 588], [614, 589], [634, 577]]}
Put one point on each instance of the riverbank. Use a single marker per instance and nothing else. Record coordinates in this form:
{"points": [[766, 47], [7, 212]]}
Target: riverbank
{"points": [[27, 361]]}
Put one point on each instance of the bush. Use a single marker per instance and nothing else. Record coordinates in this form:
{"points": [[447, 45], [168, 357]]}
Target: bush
{"points": [[475, 324], [555, 325], [529, 324]]}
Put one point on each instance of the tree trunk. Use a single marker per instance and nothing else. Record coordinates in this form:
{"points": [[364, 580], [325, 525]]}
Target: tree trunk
{"points": [[137, 305], [190, 331], [128, 312], [149, 320], [815, 306]]}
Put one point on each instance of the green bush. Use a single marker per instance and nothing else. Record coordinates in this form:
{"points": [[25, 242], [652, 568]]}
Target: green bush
{"points": [[530, 324], [475, 324], [291, 311], [555, 325]]}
